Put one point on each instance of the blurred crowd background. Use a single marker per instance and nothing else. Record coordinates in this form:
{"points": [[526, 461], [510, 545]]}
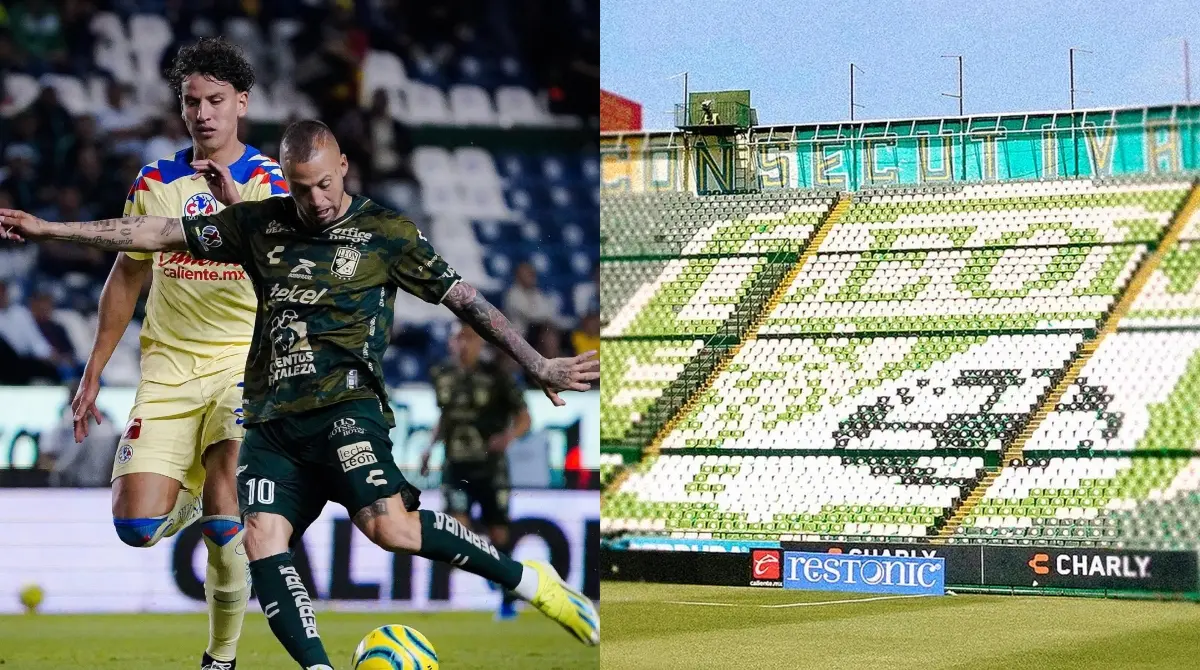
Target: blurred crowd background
{"points": [[475, 117]]}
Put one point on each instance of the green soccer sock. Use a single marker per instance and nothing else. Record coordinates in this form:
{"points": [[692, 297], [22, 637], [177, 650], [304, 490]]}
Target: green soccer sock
{"points": [[444, 539], [288, 608]]}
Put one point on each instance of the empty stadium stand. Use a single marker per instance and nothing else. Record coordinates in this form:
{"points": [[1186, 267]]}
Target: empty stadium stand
{"points": [[1014, 362]]}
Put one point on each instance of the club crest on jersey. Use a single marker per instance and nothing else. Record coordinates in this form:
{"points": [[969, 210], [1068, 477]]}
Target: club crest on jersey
{"points": [[201, 204], [124, 454], [345, 262]]}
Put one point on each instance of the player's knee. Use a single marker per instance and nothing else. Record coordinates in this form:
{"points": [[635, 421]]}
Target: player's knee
{"points": [[266, 535], [141, 532], [396, 532]]}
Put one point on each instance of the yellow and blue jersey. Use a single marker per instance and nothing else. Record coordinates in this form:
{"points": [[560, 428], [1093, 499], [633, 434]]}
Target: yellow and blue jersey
{"points": [[200, 314]]}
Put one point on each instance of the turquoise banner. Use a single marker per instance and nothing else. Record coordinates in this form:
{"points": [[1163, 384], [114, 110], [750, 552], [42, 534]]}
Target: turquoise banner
{"points": [[852, 156]]}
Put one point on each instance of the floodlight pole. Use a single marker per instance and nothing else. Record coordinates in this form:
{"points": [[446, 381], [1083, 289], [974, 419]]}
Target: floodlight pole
{"points": [[1071, 70], [1187, 73], [960, 84], [853, 105]]}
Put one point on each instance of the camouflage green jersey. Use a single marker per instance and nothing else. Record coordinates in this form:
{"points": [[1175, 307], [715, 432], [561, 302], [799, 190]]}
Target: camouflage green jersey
{"points": [[476, 404], [325, 297]]}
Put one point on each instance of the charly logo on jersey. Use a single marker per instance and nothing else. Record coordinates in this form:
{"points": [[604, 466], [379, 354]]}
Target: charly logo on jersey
{"points": [[346, 426], [292, 355], [350, 235], [345, 262], [296, 295], [201, 204]]}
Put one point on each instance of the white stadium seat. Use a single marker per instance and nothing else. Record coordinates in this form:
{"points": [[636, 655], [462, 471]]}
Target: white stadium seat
{"points": [[471, 106]]}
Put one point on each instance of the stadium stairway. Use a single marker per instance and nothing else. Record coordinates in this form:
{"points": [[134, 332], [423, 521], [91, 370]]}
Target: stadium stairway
{"points": [[1128, 297], [827, 222]]}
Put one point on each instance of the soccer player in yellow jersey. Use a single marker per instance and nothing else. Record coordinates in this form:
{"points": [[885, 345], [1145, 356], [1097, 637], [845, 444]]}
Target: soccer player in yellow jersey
{"points": [[177, 458]]}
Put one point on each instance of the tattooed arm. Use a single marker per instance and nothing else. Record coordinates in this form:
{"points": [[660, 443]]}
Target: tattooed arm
{"points": [[135, 233], [481, 315], [553, 375]]}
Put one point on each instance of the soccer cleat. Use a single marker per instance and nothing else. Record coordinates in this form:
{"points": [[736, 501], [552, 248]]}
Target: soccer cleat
{"points": [[210, 663], [570, 608]]}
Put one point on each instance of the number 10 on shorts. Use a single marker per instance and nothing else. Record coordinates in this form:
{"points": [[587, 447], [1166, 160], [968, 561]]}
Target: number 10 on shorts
{"points": [[265, 489]]}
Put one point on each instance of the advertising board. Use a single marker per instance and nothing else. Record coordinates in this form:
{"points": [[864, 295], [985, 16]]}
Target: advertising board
{"points": [[63, 540]]}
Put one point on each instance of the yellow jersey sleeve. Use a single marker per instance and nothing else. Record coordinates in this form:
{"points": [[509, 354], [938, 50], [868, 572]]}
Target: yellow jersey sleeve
{"points": [[200, 313]]}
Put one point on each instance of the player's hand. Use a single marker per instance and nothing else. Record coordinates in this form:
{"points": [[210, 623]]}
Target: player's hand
{"points": [[566, 374], [18, 226], [219, 181], [84, 405]]}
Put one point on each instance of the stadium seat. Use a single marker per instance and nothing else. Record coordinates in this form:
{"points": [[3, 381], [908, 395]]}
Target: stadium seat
{"points": [[154, 35], [426, 104], [475, 163], [113, 51], [471, 106], [635, 374], [21, 90], [382, 70], [71, 93], [515, 106]]}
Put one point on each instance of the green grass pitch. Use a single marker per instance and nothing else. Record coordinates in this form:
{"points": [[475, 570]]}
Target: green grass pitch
{"points": [[463, 640], [646, 627]]}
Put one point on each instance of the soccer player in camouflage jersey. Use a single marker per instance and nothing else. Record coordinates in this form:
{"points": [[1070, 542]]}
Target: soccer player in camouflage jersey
{"points": [[326, 267], [483, 411]]}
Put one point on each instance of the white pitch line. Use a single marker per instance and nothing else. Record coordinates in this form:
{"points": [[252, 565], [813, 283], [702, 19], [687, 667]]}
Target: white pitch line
{"points": [[803, 604], [843, 602]]}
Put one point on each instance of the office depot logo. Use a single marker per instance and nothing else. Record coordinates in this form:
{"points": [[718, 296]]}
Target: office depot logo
{"points": [[765, 568]]}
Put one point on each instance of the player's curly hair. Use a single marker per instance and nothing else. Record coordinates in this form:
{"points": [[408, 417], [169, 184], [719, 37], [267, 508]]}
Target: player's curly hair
{"points": [[212, 57]]}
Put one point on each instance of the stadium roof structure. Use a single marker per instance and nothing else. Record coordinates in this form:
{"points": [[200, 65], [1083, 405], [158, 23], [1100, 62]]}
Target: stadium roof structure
{"points": [[1173, 107]]}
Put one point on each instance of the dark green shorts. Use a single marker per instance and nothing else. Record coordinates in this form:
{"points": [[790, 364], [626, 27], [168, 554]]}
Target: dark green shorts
{"points": [[487, 484], [341, 453]]}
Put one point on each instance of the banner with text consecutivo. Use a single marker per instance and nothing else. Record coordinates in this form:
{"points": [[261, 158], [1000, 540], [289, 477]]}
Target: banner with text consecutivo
{"points": [[857, 155], [26, 412], [63, 540]]}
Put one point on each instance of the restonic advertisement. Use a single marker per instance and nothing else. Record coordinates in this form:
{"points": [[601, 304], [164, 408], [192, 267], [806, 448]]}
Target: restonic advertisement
{"points": [[28, 411], [963, 563], [63, 541], [902, 575]]}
